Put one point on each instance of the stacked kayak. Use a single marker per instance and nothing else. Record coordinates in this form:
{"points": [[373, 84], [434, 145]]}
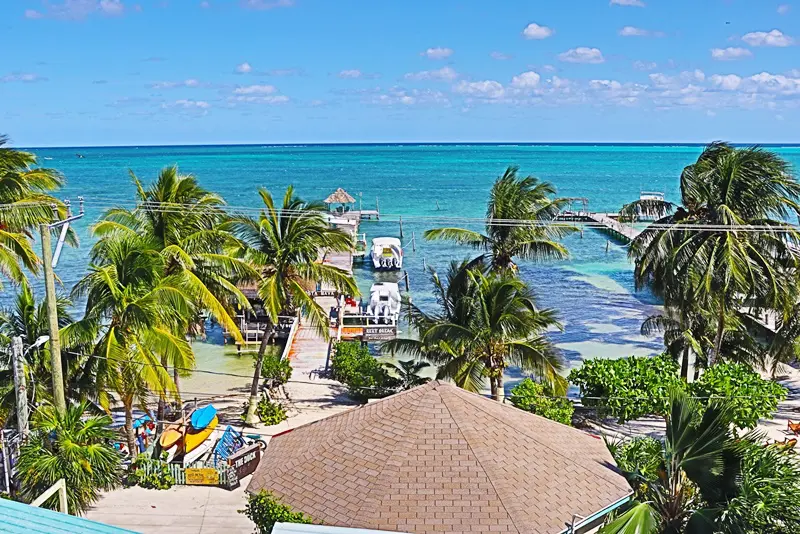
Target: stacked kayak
{"points": [[187, 434]]}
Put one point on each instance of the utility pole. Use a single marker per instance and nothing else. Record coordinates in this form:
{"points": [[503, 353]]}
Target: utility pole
{"points": [[52, 305], [20, 387]]}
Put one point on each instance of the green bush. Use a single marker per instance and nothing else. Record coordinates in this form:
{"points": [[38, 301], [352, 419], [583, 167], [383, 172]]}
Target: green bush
{"points": [[531, 397], [627, 388], [270, 413], [159, 476], [750, 397], [275, 370], [642, 455], [265, 509], [363, 375]]}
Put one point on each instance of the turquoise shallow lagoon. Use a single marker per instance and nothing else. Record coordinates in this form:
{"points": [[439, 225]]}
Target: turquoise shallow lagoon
{"points": [[429, 185]]}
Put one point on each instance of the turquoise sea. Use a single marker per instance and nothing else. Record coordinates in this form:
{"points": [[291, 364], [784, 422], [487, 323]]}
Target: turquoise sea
{"points": [[427, 185]]}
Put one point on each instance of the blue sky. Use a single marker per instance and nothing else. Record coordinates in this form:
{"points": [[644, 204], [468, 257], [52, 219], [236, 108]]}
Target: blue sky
{"points": [[100, 72]]}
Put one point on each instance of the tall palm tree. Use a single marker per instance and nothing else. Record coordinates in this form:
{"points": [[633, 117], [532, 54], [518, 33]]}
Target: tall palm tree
{"points": [[24, 204], [707, 479], [485, 323], [408, 372], [284, 244], [136, 316], [703, 250], [513, 202], [180, 220], [73, 446]]}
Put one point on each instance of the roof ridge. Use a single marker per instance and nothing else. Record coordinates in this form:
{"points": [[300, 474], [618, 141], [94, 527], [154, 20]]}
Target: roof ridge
{"points": [[483, 467], [469, 397]]}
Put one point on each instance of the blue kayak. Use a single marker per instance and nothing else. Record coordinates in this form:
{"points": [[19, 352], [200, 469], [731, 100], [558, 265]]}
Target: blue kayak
{"points": [[202, 417]]}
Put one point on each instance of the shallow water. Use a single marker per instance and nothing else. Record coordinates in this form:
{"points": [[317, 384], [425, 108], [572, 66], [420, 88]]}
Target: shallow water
{"points": [[428, 186]]}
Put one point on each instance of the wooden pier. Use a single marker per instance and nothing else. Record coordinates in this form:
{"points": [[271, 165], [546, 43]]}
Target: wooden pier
{"points": [[608, 222]]}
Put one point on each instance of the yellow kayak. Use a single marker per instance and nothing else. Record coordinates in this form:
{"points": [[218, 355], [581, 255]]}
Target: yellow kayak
{"points": [[169, 438], [193, 438]]}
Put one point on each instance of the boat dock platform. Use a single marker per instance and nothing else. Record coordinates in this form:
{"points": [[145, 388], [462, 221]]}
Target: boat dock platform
{"points": [[608, 222]]}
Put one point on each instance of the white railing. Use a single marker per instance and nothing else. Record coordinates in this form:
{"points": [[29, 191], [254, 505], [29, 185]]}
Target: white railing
{"points": [[61, 488], [290, 339]]}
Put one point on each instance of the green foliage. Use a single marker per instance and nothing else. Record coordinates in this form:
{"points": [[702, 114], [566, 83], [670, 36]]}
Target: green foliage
{"points": [[73, 446], [749, 396], [364, 376], [265, 509], [642, 456], [275, 371], [629, 387], [407, 372], [150, 473], [270, 413], [532, 397]]}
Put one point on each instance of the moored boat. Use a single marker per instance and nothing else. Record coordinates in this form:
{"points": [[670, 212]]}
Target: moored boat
{"points": [[387, 253]]}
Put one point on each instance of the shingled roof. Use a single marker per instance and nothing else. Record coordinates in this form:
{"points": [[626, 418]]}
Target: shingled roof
{"points": [[437, 458]]}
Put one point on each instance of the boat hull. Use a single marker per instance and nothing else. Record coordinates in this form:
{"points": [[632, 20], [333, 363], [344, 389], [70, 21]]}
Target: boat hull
{"points": [[170, 438], [194, 438], [202, 417]]}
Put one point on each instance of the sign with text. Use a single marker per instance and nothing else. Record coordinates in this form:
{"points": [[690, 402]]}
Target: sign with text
{"points": [[245, 461], [202, 476], [380, 332]]}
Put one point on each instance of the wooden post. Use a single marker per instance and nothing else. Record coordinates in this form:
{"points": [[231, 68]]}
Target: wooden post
{"points": [[401, 227], [6, 460], [608, 244], [437, 205], [406, 279], [377, 210], [423, 264], [413, 242], [20, 386]]}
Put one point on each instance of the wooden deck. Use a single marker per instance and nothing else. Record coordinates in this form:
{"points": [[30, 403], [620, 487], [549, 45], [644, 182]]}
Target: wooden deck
{"points": [[607, 222]]}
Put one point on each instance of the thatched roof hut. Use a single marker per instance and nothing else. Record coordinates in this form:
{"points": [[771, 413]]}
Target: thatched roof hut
{"points": [[340, 196]]}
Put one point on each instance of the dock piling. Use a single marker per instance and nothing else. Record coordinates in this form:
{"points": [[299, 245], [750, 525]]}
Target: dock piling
{"points": [[401, 227]]}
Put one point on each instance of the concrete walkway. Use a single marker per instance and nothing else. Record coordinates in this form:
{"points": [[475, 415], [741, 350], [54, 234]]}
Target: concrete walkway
{"points": [[179, 510]]}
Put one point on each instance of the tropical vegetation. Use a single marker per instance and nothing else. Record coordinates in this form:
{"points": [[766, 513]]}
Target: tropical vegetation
{"points": [[282, 245], [407, 372], [73, 446], [365, 377], [265, 509], [703, 256], [270, 412], [535, 398], [703, 478], [485, 322], [517, 225], [149, 473]]}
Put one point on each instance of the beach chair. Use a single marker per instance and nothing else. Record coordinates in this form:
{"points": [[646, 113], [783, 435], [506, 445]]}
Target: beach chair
{"points": [[230, 442]]}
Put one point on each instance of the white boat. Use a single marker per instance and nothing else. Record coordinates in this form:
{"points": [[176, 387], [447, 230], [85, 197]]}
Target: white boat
{"points": [[387, 253], [384, 302], [651, 195]]}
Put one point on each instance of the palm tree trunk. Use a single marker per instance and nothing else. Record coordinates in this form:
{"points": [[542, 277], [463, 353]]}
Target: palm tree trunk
{"points": [[718, 340], [501, 392], [162, 402], [176, 378], [129, 433], [685, 363], [250, 418], [493, 386]]}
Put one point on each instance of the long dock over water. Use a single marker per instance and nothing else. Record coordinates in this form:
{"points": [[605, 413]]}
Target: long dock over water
{"points": [[607, 222]]}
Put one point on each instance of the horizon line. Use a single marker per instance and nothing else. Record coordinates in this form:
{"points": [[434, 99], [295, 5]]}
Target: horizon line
{"points": [[413, 143]]}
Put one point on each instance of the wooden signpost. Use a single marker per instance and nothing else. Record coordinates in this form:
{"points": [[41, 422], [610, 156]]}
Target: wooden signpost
{"points": [[202, 476], [245, 461]]}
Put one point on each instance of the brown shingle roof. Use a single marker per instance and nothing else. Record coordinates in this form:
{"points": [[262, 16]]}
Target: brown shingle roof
{"points": [[439, 459]]}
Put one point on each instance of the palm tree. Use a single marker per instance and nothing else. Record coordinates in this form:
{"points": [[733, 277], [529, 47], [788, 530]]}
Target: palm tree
{"points": [[514, 202], [136, 317], [407, 372], [25, 203], [284, 244], [183, 222], [27, 319], [704, 478], [486, 322], [703, 250], [73, 446]]}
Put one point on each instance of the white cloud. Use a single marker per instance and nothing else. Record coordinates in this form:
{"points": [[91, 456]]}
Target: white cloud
{"points": [[535, 31], [24, 77], [172, 85], [350, 74], [437, 53], [770, 38], [256, 99], [33, 14], [728, 82], [500, 56], [244, 68], [397, 95], [445, 74], [582, 54], [198, 104], [730, 54], [255, 90], [526, 80], [784, 9], [645, 65], [488, 89], [633, 31], [112, 7], [631, 3]]}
